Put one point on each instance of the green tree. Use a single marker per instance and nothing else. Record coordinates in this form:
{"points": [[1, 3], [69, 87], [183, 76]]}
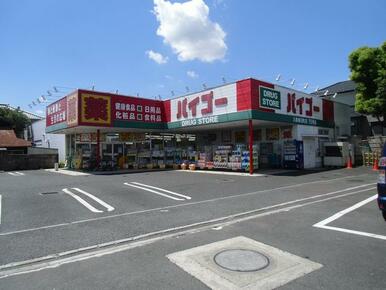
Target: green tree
{"points": [[13, 119], [368, 71]]}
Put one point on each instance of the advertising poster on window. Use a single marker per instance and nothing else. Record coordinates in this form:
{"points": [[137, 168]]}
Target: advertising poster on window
{"points": [[132, 137], [273, 134], [286, 132]]}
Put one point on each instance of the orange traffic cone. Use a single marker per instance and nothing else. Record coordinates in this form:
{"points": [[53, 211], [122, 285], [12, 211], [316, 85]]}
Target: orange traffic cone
{"points": [[375, 165], [349, 163]]}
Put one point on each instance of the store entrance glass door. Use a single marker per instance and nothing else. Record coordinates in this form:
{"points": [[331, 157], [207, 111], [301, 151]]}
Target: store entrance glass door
{"points": [[117, 154], [107, 155]]}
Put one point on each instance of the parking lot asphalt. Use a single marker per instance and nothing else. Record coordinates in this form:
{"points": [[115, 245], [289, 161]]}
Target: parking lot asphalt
{"points": [[39, 218]]}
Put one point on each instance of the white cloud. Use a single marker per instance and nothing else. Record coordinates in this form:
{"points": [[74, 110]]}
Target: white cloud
{"points": [[157, 57], [39, 112], [187, 28], [192, 74], [219, 3]]}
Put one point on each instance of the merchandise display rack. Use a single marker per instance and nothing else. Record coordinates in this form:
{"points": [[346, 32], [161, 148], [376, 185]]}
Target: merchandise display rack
{"points": [[158, 156], [159, 152], [205, 158], [245, 161], [144, 155], [235, 160], [170, 156], [221, 157]]}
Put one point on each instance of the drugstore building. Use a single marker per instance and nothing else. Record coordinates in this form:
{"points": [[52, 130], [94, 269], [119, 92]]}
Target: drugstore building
{"points": [[218, 128]]}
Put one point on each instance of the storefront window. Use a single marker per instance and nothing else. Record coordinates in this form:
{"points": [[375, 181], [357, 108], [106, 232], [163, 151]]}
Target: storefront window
{"points": [[257, 135], [273, 133], [266, 148], [112, 137], [107, 149], [286, 132], [226, 136], [240, 137]]}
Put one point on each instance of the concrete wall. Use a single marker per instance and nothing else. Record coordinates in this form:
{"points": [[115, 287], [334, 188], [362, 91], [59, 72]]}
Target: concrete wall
{"points": [[342, 114], [42, 139], [25, 161], [301, 130], [41, 151], [345, 98]]}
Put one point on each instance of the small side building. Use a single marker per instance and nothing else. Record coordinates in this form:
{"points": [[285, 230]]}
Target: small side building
{"points": [[364, 131], [10, 143], [36, 134], [18, 154]]}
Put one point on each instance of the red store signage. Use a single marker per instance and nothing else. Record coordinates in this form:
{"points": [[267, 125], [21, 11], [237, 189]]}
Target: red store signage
{"points": [[56, 112], [133, 109]]}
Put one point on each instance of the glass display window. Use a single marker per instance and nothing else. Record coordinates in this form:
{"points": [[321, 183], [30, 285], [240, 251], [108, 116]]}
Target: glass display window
{"points": [[257, 135], [226, 136], [286, 132], [273, 134], [240, 137]]}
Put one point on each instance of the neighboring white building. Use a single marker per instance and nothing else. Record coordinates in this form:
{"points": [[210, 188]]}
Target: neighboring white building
{"points": [[36, 133], [46, 140]]}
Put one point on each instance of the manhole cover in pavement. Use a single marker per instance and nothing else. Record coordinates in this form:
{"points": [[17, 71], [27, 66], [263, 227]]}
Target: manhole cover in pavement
{"points": [[241, 260]]}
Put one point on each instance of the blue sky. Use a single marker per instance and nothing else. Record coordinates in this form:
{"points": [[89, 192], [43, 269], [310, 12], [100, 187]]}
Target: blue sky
{"points": [[151, 48]]}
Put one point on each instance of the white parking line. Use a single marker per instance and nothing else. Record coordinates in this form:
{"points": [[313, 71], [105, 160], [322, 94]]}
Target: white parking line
{"points": [[106, 205], [345, 211], [0, 208], [161, 189], [153, 191], [13, 173], [16, 173], [190, 204], [108, 248], [323, 224], [81, 200]]}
